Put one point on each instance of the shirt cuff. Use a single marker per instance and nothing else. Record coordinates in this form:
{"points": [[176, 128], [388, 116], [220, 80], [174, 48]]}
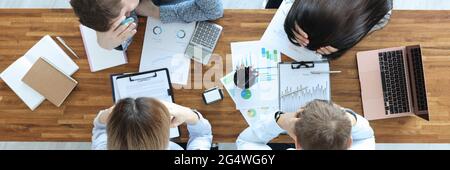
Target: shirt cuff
{"points": [[97, 123], [272, 127], [202, 127]]}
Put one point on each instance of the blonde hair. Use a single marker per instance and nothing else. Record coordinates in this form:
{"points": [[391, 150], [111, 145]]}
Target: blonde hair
{"points": [[323, 126], [138, 124]]}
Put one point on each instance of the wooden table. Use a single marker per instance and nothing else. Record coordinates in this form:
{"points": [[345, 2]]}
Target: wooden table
{"points": [[20, 29]]}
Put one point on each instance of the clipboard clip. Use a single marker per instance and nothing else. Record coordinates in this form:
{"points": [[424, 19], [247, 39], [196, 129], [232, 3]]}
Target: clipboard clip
{"points": [[143, 78], [302, 64]]}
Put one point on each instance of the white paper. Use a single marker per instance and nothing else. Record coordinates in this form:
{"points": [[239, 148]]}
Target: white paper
{"points": [[165, 46], [98, 57], [262, 94], [265, 92], [146, 86], [47, 49], [275, 37], [255, 54], [305, 87], [255, 116]]}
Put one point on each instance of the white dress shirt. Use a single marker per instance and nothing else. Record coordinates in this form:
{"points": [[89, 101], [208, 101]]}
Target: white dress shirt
{"points": [[256, 137], [200, 136]]}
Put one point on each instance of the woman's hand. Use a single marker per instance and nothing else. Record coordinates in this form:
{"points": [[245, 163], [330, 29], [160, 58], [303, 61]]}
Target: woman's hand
{"points": [[300, 36], [327, 50], [116, 35], [181, 114], [303, 39], [104, 115]]}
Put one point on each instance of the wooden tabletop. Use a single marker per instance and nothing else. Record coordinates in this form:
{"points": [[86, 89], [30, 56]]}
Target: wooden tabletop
{"points": [[20, 29]]}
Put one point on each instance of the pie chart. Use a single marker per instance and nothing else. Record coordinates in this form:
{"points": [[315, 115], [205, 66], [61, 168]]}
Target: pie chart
{"points": [[246, 94]]}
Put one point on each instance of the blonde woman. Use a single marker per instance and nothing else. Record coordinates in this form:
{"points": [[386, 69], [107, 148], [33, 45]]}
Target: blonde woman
{"points": [[144, 124]]}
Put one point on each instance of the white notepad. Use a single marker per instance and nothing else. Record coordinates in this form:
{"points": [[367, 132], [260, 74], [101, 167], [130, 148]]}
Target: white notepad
{"points": [[98, 57], [45, 48]]}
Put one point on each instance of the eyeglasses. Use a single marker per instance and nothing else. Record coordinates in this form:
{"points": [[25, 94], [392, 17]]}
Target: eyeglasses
{"points": [[298, 65]]}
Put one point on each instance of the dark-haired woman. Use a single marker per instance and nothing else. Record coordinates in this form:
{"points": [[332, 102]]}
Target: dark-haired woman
{"points": [[331, 27]]}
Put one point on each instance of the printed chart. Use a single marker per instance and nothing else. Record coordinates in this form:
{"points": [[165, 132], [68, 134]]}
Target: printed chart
{"points": [[304, 87], [292, 98], [255, 116], [262, 94]]}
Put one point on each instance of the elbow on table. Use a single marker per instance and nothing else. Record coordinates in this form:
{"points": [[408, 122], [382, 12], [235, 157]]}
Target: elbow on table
{"points": [[217, 14]]}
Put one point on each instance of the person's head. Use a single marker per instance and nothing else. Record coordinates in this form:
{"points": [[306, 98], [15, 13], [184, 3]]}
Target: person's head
{"points": [[323, 125], [337, 23], [138, 124], [100, 14]]}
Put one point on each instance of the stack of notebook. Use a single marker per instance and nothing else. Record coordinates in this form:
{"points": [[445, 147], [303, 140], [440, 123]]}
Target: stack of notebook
{"points": [[42, 73]]}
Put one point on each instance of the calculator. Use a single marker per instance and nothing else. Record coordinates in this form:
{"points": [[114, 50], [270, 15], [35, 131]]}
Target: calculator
{"points": [[203, 41]]}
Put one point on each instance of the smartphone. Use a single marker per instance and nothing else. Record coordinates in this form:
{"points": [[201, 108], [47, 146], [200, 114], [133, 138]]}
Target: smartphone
{"points": [[213, 95], [127, 21]]}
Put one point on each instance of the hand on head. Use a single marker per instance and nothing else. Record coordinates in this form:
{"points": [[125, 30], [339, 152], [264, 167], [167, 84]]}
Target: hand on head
{"points": [[287, 122], [180, 114], [117, 34], [302, 39]]}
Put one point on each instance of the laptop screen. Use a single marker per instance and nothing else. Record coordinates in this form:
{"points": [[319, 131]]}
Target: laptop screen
{"points": [[417, 77]]}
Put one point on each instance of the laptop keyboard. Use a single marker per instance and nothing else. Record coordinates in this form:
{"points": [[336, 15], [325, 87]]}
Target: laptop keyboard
{"points": [[394, 82], [419, 79]]}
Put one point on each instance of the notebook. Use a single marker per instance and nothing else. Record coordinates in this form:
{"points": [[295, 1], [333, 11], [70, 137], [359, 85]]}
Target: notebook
{"points": [[49, 81], [45, 48], [98, 57]]}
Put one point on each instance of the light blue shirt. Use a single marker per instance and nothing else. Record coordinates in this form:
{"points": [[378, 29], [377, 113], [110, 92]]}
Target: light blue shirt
{"points": [[191, 10], [256, 137], [200, 136]]}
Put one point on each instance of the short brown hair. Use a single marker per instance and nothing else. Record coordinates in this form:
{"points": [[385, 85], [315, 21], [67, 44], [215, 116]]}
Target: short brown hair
{"points": [[138, 124], [323, 126], [97, 14]]}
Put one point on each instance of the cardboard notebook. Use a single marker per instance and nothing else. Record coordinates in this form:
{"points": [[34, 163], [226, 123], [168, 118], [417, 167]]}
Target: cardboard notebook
{"points": [[49, 81]]}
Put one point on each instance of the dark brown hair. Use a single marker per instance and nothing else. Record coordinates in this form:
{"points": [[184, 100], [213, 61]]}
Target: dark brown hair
{"points": [[141, 124], [97, 14], [337, 23], [323, 126]]}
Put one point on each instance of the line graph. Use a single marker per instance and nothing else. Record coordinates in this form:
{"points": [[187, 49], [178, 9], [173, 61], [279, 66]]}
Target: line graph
{"points": [[292, 98]]}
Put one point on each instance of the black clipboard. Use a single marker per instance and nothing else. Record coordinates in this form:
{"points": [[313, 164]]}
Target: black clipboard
{"points": [[152, 73], [296, 66]]}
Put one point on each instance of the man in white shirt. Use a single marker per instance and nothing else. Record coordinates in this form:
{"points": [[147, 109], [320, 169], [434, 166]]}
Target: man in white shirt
{"points": [[320, 125], [144, 123]]}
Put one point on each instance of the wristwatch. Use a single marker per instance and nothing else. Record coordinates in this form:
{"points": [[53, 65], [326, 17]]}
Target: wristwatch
{"points": [[278, 115]]}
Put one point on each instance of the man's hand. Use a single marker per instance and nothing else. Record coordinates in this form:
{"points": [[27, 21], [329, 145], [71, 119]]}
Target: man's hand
{"points": [[181, 114], [287, 122], [116, 35], [148, 8]]}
